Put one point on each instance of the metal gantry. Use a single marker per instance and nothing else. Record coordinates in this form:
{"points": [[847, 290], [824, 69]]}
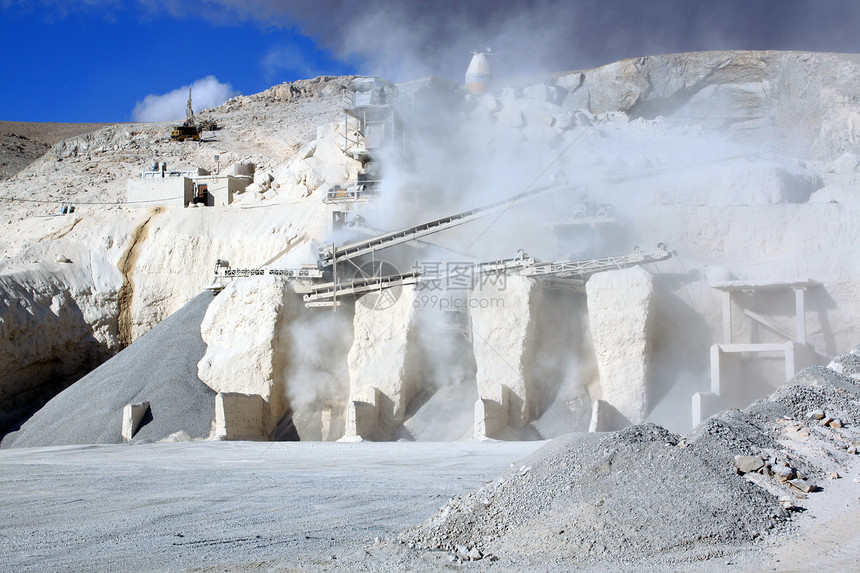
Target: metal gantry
{"points": [[568, 275], [563, 275]]}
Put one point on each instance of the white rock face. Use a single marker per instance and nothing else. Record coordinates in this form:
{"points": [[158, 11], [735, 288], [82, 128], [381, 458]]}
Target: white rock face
{"points": [[619, 308], [385, 357], [504, 332], [753, 95], [178, 254], [57, 321], [247, 330], [318, 166]]}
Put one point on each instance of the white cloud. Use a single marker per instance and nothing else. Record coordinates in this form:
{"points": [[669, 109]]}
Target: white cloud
{"points": [[206, 92]]}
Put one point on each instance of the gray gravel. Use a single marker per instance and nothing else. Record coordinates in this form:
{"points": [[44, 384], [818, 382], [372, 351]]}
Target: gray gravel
{"points": [[618, 497], [160, 368], [646, 497]]}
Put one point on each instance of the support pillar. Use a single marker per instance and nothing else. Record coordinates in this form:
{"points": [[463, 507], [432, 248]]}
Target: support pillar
{"points": [[800, 311], [727, 317], [715, 369], [132, 415]]}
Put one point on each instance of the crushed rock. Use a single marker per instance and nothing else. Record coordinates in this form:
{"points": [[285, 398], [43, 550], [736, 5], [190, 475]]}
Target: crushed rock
{"points": [[646, 495]]}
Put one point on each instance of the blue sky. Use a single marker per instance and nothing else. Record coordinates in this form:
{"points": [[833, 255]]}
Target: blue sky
{"points": [[96, 60], [89, 66]]}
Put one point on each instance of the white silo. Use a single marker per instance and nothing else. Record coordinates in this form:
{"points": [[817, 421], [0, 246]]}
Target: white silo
{"points": [[478, 77]]}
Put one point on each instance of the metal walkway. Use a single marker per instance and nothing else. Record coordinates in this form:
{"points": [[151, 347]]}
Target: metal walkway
{"points": [[564, 275], [328, 294]]}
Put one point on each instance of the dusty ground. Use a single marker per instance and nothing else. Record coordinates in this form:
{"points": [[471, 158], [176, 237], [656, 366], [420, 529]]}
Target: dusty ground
{"points": [[164, 506], [230, 506]]}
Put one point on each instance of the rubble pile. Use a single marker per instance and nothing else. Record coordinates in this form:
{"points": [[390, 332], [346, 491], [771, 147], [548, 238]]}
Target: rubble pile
{"points": [[160, 368], [646, 496]]}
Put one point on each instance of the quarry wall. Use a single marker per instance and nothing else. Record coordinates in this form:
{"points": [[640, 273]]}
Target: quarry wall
{"points": [[760, 185]]}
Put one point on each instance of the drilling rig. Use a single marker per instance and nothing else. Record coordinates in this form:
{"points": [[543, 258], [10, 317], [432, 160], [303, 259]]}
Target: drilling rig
{"points": [[188, 130]]}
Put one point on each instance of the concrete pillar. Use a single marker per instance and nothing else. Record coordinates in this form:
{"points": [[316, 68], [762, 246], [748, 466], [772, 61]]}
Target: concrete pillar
{"points": [[800, 311], [705, 405], [362, 417], [132, 414], [606, 418], [325, 424], [727, 317], [239, 416], [715, 369], [491, 415], [790, 360]]}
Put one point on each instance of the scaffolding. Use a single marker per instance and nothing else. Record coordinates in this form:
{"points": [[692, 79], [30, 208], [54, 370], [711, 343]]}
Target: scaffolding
{"points": [[795, 348], [370, 118]]}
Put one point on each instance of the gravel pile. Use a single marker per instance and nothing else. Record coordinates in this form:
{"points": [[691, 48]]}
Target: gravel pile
{"points": [[645, 495], [160, 368]]}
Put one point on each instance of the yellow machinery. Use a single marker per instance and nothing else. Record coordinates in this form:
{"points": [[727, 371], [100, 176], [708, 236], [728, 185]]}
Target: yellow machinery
{"points": [[189, 130], [183, 132]]}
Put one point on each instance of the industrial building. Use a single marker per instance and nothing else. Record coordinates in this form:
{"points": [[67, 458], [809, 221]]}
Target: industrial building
{"points": [[163, 188]]}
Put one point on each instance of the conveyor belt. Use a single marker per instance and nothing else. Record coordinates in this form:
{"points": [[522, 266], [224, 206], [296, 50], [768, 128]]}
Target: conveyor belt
{"points": [[330, 254], [330, 292], [304, 273], [580, 269], [567, 275]]}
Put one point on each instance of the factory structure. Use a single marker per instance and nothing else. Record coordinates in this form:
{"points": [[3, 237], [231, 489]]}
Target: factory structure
{"points": [[162, 187], [510, 404]]}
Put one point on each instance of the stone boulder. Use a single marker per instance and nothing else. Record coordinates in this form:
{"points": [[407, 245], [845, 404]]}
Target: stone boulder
{"points": [[384, 363], [317, 165], [619, 311], [247, 332], [543, 92]]}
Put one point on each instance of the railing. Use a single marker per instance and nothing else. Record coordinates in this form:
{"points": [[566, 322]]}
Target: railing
{"points": [[304, 273]]}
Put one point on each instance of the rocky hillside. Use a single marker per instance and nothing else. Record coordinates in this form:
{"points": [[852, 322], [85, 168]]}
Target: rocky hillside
{"points": [[794, 102], [745, 163], [21, 143]]}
